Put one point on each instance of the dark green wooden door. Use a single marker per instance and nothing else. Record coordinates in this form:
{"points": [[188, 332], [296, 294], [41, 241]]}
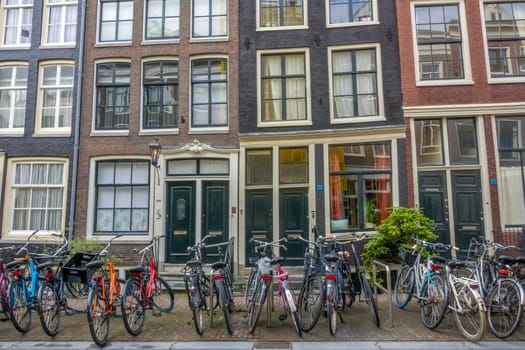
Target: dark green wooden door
{"points": [[181, 219], [259, 218], [214, 217], [433, 199], [468, 212], [293, 223]]}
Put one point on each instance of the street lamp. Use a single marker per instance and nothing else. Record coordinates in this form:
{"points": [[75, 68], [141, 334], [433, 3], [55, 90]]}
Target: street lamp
{"points": [[154, 152]]}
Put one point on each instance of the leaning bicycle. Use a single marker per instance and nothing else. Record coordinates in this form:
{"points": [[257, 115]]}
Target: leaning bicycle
{"points": [[145, 289]]}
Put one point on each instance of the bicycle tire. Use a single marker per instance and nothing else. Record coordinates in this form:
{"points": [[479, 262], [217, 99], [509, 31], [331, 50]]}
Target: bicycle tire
{"points": [[433, 301], [19, 310], [254, 310], [331, 312], [404, 286], [504, 309], [162, 298], [310, 302], [77, 289], [132, 307], [224, 300], [195, 301], [471, 322], [49, 308], [250, 289], [370, 299], [98, 320], [3, 296]]}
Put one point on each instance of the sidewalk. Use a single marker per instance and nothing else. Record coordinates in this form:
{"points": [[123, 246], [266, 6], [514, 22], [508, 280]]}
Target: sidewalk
{"points": [[177, 327]]}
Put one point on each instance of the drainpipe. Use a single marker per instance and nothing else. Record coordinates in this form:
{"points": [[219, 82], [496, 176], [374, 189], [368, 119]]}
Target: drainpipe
{"points": [[74, 169]]}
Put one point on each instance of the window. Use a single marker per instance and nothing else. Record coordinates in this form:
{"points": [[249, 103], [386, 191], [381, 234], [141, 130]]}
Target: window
{"points": [[281, 13], [61, 18], [13, 90], [293, 165], [360, 186], [116, 20], [210, 18], [511, 142], [350, 11], [122, 196], [38, 196], [283, 87], [201, 166], [161, 94], [505, 30], [438, 32], [56, 96], [209, 92], [17, 16], [462, 141], [259, 167], [428, 142], [112, 84], [354, 87], [162, 19]]}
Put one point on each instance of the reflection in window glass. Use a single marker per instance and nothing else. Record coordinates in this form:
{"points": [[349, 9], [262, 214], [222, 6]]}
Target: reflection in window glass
{"points": [[428, 142], [463, 146], [259, 167], [293, 165], [349, 11], [360, 186]]}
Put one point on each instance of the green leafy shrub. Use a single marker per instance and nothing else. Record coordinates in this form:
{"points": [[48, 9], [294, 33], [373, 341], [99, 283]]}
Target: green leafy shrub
{"points": [[397, 231]]}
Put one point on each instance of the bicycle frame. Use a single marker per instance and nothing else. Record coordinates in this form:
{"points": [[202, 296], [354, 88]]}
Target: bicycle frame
{"points": [[110, 294]]}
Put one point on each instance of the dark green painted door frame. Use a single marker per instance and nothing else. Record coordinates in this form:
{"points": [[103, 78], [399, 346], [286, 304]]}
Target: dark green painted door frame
{"points": [[180, 216]]}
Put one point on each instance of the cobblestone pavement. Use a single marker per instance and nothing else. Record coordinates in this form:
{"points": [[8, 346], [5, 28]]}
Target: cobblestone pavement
{"points": [[177, 326]]}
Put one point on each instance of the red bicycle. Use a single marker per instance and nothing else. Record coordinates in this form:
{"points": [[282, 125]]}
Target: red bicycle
{"points": [[145, 289], [4, 283]]}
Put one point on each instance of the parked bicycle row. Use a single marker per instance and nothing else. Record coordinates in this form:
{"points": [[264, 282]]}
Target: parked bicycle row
{"points": [[484, 289]]}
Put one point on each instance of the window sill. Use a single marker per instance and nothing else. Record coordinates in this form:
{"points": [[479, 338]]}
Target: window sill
{"points": [[209, 130], [113, 43], [174, 131], [109, 133], [280, 124], [452, 82], [353, 120]]}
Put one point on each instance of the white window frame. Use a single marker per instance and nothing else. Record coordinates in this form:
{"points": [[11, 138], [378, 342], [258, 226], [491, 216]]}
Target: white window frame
{"points": [[163, 18], [99, 24], [63, 4], [505, 49], [308, 119], [373, 21], [261, 28], [210, 38], [379, 76], [3, 22], [465, 50], [211, 128], [10, 130], [10, 193], [55, 131]]}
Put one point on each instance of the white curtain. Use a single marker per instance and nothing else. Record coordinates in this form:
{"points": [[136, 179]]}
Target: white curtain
{"points": [[70, 24], [55, 23], [342, 85], [513, 203]]}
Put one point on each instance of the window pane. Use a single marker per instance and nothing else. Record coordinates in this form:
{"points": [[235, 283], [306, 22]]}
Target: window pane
{"points": [[428, 142], [259, 167], [183, 166], [462, 141], [293, 165]]}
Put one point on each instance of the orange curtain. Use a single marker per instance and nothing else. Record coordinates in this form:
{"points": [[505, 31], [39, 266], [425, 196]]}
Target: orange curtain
{"points": [[336, 188], [383, 197]]}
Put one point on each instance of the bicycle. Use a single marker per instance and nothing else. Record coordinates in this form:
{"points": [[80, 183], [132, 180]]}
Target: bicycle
{"points": [[259, 252], [465, 299], [421, 278], [4, 284], [22, 293], [223, 281], [145, 288], [503, 294], [264, 287], [197, 285], [104, 296]]}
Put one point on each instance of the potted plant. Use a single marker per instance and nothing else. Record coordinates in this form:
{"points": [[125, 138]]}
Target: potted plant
{"points": [[397, 231], [371, 216]]}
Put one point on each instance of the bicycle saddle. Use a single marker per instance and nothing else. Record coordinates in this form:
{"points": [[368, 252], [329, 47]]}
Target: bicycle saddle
{"points": [[438, 259], [507, 260], [94, 264], [277, 260], [194, 263], [331, 257], [218, 265], [460, 263], [136, 269]]}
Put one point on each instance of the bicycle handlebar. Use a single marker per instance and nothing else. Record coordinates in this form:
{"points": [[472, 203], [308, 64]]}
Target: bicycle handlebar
{"points": [[104, 250]]}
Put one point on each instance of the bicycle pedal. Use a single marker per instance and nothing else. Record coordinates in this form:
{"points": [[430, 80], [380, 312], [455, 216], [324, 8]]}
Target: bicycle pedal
{"points": [[283, 317]]}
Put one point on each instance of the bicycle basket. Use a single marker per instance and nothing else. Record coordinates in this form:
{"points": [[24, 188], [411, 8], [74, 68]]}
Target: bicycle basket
{"points": [[75, 271], [407, 257]]}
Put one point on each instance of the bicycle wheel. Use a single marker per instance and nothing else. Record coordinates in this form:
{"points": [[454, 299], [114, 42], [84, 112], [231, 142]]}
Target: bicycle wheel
{"points": [[254, 310], [331, 313], [370, 299], [98, 320], [77, 290], [19, 309], [504, 310], [132, 307], [195, 301], [292, 308], [224, 301], [3, 296], [468, 314], [250, 289], [433, 301], [404, 286], [162, 295], [310, 302], [49, 308]]}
